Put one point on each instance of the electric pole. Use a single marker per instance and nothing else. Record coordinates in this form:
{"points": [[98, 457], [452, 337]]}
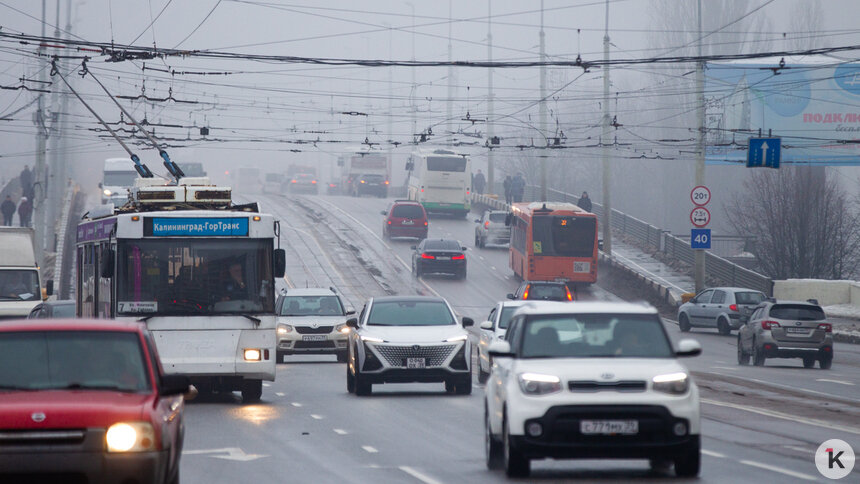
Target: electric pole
{"points": [[54, 187], [449, 110], [491, 180], [543, 108], [607, 162], [699, 270], [39, 170]]}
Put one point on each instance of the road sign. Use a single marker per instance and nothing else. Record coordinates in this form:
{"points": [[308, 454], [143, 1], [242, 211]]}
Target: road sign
{"points": [[700, 238], [764, 152], [700, 216], [700, 196]]}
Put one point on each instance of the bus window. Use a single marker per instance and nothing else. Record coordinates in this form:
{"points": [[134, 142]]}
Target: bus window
{"points": [[446, 163], [563, 236]]}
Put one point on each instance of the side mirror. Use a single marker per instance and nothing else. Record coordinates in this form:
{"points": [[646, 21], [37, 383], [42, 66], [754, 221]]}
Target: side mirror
{"points": [[688, 347], [174, 384], [352, 323], [511, 296], [477, 220], [383, 212], [191, 394], [49, 287], [487, 325], [100, 184], [468, 322], [499, 349], [413, 247], [350, 311], [464, 248], [280, 262], [106, 264]]}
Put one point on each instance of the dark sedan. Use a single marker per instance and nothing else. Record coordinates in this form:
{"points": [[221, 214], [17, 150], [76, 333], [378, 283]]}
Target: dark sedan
{"points": [[439, 256]]}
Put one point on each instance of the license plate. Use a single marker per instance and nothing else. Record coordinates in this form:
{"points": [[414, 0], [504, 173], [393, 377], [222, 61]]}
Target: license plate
{"points": [[443, 257], [416, 363], [407, 222], [797, 330], [609, 427], [314, 337], [581, 266]]}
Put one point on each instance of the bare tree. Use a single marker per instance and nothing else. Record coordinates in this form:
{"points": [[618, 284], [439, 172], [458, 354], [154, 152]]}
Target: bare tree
{"points": [[802, 229]]}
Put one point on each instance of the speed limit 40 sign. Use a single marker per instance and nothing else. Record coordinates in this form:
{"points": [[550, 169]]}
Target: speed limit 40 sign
{"points": [[700, 196]]}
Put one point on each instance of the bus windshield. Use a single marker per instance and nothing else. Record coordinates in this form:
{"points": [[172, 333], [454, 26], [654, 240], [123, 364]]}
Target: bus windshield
{"points": [[446, 163], [566, 236], [194, 277]]}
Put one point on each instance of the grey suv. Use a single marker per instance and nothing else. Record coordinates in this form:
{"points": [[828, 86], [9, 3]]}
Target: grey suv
{"points": [[724, 308], [787, 329]]}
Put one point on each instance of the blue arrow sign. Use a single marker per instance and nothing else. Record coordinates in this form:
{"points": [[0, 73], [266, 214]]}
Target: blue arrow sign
{"points": [[764, 152], [700, 238]]}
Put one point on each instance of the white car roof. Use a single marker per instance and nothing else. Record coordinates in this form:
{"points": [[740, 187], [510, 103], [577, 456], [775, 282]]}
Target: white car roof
{"points": [[309, 291], [589, 307]]}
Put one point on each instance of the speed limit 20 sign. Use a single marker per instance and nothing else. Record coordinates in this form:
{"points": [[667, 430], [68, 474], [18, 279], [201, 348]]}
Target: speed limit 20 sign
{"points": [[700, 196]]}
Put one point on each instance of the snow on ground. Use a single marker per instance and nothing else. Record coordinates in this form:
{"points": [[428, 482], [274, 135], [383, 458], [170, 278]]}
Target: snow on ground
{"points": [[848, 311]]}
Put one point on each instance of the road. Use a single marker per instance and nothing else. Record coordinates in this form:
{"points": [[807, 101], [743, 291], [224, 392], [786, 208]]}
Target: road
{"points": [[759, 424]]}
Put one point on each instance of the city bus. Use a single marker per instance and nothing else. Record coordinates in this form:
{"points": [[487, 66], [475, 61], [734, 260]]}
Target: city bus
{"points": [[553, 242], [441, 180], [197, 270]]}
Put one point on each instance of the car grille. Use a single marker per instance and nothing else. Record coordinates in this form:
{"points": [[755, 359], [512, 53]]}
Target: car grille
{"points": [[309, 330], [41, 437], [396, 355], [308, 345], [598, 386]]}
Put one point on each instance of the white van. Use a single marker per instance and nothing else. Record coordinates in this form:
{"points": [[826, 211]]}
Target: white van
{"points": [[20, 284]]}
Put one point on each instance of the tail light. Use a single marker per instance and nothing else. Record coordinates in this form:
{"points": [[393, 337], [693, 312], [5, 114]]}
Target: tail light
{"points": [[569, 295], [458, 257], [294, 181], [332, 185], [487, 224], [425, 223], [733, 307], [362, 181], [827, 327], [422, 190], [389, 222], [467, 192], [769, 324], [526, 292], [427, 256], [386, 182], [314, 182]]}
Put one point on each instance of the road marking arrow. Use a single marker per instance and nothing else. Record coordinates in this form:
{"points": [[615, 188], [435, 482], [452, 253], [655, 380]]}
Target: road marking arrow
{"points": [[232, 453]]}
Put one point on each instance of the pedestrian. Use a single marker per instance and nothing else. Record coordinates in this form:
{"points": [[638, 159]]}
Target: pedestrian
{"points": [[8, 208], [25, 210], [518, 187], [479, 182], [26, 180], [508, 185], [584, 202]]}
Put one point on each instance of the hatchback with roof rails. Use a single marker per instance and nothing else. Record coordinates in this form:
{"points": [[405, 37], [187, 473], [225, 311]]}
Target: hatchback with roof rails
{"points": [[543, 291], [405, 218], [787, 329]]}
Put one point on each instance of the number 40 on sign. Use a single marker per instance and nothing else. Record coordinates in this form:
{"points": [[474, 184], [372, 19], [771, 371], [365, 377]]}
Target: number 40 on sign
{"points": [[700, 238]]}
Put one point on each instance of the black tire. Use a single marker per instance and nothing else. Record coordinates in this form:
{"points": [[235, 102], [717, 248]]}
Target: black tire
{"points": [[279, 356], [342, 357], [689, 463], [809, 362], [363, 387], [758, 355], [723, 327], [493, 450], [483, 376], [825, 362], [659, 465], [462, 274], [252, 390], [683, 323], [516, 464], [350, 381], [743, 356], [463, 385]]}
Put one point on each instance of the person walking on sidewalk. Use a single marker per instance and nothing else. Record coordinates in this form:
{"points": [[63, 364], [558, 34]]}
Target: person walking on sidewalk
{"points": [[479, 182], [8, 208], [25, 210], [584, 202], [518, 187], [508, 186], [26, 180]]}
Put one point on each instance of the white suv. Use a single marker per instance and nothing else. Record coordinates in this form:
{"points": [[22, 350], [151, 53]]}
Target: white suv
{"points": [[312, 321], [590, 380]]}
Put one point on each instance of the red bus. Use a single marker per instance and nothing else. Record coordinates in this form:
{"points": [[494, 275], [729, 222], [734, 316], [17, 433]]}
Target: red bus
{"points": [[553, 241]]}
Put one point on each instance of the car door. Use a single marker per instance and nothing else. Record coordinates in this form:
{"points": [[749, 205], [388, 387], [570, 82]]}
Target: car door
{"points": [[485, 338], [715, 307], [698, 311], [747, 331], [500, 374]]}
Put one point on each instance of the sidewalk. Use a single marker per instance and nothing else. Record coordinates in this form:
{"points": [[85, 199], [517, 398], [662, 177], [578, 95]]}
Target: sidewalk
{"points": [[636, 260]]}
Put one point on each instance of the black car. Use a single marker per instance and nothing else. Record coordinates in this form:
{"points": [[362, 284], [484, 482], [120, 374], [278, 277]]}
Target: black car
{"points": [[439, 256], [370, 184], [543, 291], [53, 310]]}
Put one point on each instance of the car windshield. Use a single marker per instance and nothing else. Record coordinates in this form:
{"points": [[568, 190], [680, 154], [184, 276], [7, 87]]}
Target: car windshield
{"points": [[407, 211], [19, 285], [800, 312], [595, 336], [749, 297], [442, 245], [410, 313], [311, 306], [498, 216], [99, 360], [554, 292], [505, 317]]}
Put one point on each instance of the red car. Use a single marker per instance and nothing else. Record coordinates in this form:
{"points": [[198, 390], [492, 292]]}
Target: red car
{"points": [[87, 400], [405, 218]]}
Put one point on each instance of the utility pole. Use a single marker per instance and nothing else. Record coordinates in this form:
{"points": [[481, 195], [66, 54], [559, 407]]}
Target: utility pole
{"points": [[491, 170], [39, 169], [53, 192], [450, 111], [607, 163], [699, 269], [390, 133], [414, 87], [543, 107]]}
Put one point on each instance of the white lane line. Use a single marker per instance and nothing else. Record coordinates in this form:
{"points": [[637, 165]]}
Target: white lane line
{"points": [[787, 472], [280, 394], [827, 380], [316, 417], [340, 431], [731, 368], [369, 449], [493, 267], [296, 404], [421, 477], [481, 257], [267, 385], [713, 454], [784, 416]]}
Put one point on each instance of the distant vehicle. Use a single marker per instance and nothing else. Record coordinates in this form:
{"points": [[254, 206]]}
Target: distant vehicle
{"points": [[273, 183], [405, 218], [439, 256], [724, 308], [103, 410], [20, 283], [403, 339], [491, 229], [590, 380], [492, 330], [787, 329], [360, 162], [543, 291], [246, 180], [118, 177], [64, 309], [312, 321], [301, 183], [192, 169], [370, 184], [553, 241], [441, 180]]}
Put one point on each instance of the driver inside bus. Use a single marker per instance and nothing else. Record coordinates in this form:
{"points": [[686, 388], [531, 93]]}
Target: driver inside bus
{"points": [[234, 288]]}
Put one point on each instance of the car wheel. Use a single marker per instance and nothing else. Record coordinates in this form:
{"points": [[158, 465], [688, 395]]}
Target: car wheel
{"points": [[516, 464], [279, 357], [350, 381], [493, 451], [825, 362], [342, 357], [363, 387], [483, 376], [758, 355], [743, 356], [252, 390], [723, 327], [809, 362], [659, 465], [462, 274], [683, 323], [463, 385], [690, 462]]}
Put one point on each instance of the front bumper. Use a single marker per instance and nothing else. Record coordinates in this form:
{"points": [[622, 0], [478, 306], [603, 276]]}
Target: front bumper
{"points": [[326, 343], [388, 363]]}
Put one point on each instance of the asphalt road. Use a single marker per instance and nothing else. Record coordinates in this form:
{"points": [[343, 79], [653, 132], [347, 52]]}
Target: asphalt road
{"points": [[759, 424]]}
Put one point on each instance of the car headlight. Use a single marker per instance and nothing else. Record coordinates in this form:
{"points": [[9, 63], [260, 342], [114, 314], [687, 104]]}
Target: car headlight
{"points": [[342, 328], [106, 192], [462, 337], [284, 328], [674, 383], [538, 384], [130, 437], [371, 339]]}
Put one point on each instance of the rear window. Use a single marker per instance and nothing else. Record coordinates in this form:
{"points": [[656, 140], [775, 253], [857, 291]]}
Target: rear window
{"points": [[546, 291], [441, 245], [374, 178], [408, 211], [800, 312], [749, 297], [498, 216]]}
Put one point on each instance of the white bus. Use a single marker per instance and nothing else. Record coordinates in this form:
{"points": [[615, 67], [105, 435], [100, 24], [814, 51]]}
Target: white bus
{"points": [[118, 176], [441, 180], [198, 271]]}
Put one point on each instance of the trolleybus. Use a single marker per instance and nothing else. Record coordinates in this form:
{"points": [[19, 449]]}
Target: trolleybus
{"points": [[441, 180], [553, 241], [197, 270]]}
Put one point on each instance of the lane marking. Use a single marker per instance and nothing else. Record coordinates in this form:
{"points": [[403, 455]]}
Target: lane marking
{"points": [[316, 417], [730, 368], [267, 385], [421, 477], [280, 394], [713, 454], [340, 431], [787, 472], [296, 404], [369, 449], [784, 416], [827, 380]]}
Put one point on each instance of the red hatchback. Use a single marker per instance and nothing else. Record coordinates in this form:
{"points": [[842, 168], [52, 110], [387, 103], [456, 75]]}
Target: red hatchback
{"points": [[405, 218], [87, 400]]}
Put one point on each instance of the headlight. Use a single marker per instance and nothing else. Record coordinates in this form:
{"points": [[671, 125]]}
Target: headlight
{"points": [[106, 192], [252, 354], [342, 328], [130, 437], [462, 337], [674, 383], [284, 328], [538, 384], [371, 339]]}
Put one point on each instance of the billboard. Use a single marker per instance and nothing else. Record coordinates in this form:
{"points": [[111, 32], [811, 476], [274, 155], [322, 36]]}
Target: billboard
{"points": [[812, 103]]}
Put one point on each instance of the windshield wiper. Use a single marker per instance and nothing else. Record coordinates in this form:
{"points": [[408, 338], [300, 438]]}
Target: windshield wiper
{"points": [[85, 386], [146, 318], [252, 318]]}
